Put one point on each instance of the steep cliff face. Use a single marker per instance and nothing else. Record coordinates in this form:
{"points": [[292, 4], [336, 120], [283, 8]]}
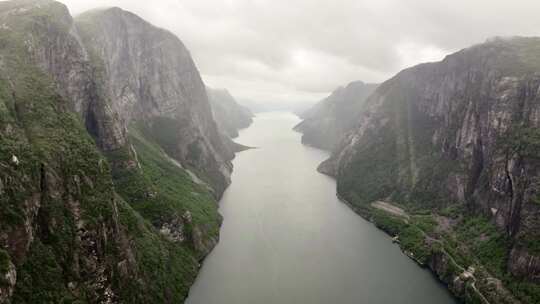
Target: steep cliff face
{"points": [[59, 215], [461, 132], [228, 114], [325, 123], [67, 233], [149, 77], [54, 43]]}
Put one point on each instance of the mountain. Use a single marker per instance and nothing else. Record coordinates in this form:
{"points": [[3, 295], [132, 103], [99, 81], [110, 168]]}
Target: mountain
{"points": [[110, 161], [149, 77], [456, 144], [228, 114], [324, 123]]}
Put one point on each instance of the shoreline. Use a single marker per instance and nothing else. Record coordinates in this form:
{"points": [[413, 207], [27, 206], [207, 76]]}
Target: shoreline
{"points": [[458, 287]]}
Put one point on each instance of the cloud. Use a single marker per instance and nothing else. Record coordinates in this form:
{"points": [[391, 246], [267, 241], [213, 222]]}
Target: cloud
{"points": [[300, 50]]}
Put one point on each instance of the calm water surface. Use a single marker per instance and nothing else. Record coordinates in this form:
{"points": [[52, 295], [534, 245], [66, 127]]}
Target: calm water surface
{"points": [[287, 239]]}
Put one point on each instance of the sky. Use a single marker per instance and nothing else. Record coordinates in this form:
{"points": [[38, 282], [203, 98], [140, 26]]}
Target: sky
{"points": [[295, 52]]}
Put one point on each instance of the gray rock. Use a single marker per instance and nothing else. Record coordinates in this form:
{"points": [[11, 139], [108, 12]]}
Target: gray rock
{"points": [[228, 114], [325, 123], [149, 76], [463, 130]]}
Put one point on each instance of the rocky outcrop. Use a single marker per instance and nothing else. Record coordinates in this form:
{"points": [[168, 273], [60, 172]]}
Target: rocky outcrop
{"points": [[463, 131], [228, 114], [149, 78], [325, 123]]}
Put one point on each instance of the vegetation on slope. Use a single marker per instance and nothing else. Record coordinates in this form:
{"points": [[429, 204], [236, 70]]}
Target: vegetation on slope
{"points": [[70, 236], [437, 163], [161, 190], [58, 171], [162, 194]]}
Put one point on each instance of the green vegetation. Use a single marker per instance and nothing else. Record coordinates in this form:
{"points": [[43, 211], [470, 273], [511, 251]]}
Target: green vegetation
{"points": [[378, 159], [524, 141], [426, 223], [474, 241], [164, 131], [397, 159], [61, 169], [4, 263], [161, 190], [411, 237], [526, 291], [40, 279], [168, 268], [453, 211], [489, 247], [486, 243], [391, 224]]}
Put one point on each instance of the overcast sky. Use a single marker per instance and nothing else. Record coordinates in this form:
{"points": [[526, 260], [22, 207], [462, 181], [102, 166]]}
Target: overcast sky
{"points": [[297, 51]]}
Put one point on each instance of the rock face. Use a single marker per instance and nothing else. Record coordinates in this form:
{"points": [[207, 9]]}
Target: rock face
{"points": [[97, 200], [149, 77], [59, 213], [114, 77], [228, 114], [56, 47], [463, 131], [325, 123]]}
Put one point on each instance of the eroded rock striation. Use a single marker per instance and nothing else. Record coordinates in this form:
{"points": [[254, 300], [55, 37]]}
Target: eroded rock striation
{"points": [[324, 124]]}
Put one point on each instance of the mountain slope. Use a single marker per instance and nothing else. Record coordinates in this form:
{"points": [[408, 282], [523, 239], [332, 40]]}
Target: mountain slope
{"points": [[149, 75], [76, 226], [228, 114], [324, 123], [458, 139], [59, 214]]}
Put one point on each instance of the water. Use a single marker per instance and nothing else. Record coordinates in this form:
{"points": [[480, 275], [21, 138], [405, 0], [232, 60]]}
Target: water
{"points": [[287, 239]]}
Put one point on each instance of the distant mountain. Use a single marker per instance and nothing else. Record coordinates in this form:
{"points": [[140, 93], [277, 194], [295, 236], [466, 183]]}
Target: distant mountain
{"points": [[291, 106], [325, 123], [228, 114]]}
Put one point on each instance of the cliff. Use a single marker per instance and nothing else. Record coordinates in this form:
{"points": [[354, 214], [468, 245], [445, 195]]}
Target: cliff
{"points": [[99, 200], [228, 114], [325, 123], [461, 134], [149, 77]]}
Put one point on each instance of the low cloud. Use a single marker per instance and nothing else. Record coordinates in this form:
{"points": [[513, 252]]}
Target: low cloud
{"points": [[297, 51]]}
